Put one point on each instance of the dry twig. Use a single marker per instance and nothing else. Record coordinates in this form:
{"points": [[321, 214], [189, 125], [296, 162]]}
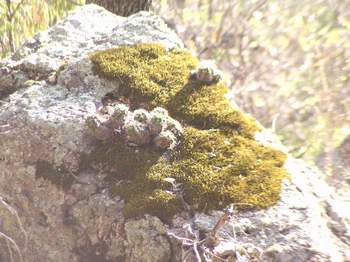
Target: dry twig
{"points": [[8, 239], [194, 248]]}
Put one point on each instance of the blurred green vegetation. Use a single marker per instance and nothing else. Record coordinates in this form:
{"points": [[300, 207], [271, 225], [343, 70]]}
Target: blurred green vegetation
{"points": [[288, 62], [21, 19]]}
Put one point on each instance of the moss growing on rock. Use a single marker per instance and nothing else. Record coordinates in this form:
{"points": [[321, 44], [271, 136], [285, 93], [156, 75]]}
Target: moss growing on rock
{"points": [[215, 169], [206, 107], [217, 162], [146, 72]]}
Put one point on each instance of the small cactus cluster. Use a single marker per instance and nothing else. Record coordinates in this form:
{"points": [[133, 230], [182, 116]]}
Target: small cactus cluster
{"points": [[207, 73], [139, 127]]}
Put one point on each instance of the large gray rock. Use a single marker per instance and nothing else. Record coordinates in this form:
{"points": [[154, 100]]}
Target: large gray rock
{"points": [[53, 207]]}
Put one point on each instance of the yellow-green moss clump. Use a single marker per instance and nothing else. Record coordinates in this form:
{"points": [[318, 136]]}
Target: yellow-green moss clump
{"points": [[150, 75], [217, 162], [146, 72]]}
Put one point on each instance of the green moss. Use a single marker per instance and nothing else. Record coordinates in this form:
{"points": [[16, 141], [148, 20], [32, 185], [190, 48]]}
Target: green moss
{"points": [[205, 107], [146, 72], [215, 169], [217, 162], [160, 203]]}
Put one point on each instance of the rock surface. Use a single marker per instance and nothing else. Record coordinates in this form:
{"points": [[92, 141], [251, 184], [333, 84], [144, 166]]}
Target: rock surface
{"points": [[55, 207]]}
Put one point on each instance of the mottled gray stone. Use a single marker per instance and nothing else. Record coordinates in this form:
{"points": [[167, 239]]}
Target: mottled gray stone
{"points": [[147, 240], [56, 205], [44, 121]]}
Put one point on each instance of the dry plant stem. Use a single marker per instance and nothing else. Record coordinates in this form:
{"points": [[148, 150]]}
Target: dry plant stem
{"points": [[9, 31], [14, 212], [195, 250], [179, 195], [10, 15], [211, 240], [6, 237], [10, 250], [201, 250], [186, 206], [2, 44]]}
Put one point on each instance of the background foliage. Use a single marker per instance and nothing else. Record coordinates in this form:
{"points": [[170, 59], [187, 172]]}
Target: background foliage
{"points": [[288, 62], [21, 19]]}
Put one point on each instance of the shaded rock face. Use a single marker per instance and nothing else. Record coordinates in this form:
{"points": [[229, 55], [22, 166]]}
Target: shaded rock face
{"points": [[55, 207]]}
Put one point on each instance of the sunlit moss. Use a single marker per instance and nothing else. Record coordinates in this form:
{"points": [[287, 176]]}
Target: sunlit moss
{"points": [[150, 75], [215, 169], [217, 162], [146, 72], [205, 107]]}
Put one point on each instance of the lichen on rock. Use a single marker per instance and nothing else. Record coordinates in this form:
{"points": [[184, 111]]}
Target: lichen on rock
{"points": [[217, 160]]}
